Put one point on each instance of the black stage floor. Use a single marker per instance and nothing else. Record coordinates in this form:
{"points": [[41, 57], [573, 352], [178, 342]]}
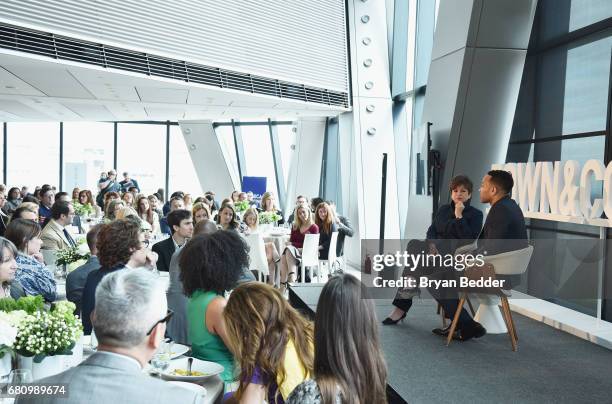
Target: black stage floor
{"points": [[550, 366]]}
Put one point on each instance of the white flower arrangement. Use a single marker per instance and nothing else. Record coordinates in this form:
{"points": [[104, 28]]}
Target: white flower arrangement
{"points": [[269, 217]]}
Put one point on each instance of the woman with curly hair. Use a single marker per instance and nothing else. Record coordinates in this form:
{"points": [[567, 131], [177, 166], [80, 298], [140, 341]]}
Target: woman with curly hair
{"points": [[271, 341], [210, 265], [120, 245]]}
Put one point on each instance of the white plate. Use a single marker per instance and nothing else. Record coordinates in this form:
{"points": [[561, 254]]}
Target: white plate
{"points": [[196, 388], [208, 368], [178, 350]]}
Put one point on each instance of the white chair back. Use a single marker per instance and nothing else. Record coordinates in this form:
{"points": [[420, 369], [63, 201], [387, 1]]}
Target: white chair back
{"points": [[512, 262], [257, 253], [310, 253], [331, 256]]}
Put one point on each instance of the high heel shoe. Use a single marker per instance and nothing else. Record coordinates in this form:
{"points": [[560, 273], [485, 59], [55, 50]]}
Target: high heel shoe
{"points": [[390, 321]]}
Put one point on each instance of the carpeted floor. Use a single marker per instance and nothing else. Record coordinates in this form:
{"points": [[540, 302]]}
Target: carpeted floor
{"points": [[550, 366]]}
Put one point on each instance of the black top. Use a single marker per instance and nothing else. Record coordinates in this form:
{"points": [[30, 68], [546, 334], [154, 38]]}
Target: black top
{"points": [[504, 229], [164, 250], [325, 240], [88, 300], [448, 233]]}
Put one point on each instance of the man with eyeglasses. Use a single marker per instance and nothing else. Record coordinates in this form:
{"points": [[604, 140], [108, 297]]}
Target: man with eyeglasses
{"points": [[129, 321], [55, 236]]}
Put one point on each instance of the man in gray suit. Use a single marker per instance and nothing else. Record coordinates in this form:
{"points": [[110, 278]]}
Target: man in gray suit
{"points": [[129, 320], [75, 281]]}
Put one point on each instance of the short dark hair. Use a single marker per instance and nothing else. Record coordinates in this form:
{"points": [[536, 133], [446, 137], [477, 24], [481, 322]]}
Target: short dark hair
{"points": [[20, 231], [31, 198], [316, 201], [177, 194], [45, 189], [502, 179], [117, 241], [213, 262], [60, 208], [60, 194], [461, 180], [176, 216], [92, 236]]}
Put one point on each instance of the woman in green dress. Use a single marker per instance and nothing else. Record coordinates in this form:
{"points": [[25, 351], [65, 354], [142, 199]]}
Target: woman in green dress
{"points": [[210, 266]]}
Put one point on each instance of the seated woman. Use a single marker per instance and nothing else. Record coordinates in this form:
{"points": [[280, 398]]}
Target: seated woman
{"points": [[27, 210], [292, 255], [271, 342], [228, 220], [251, 220], [268, 204], [32, 274], [13, 200], [112, 208], [324, 219], [147, 214], [9, 286], [200, 211], [210, 265], [348, 361], [86, 198], [128, 198], [454, 225]]}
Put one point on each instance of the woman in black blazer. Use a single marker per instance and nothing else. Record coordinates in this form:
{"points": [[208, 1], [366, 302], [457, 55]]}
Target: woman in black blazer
{"points": [[454, 225]]}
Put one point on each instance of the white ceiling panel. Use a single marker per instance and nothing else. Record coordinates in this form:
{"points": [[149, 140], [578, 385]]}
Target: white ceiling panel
{"points": [[91, 111], [53, 80], [166, 95], [11, 84], [17, 108]]}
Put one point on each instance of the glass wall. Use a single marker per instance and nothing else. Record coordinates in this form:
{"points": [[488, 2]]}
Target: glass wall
{"points": [[33, 154], [88, 151], [258, 154]]}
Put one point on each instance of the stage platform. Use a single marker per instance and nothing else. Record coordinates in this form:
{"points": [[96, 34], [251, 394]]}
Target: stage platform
{"points": [[550, 366]]}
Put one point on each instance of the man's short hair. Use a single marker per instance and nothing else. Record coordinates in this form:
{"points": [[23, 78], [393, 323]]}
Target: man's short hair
{"points": [[461, 180], [128, 303], [205, 226], [125, 173], [44, 190], [176, 216], [502, 180], [59, 195], [177, 194], [60, 208]]}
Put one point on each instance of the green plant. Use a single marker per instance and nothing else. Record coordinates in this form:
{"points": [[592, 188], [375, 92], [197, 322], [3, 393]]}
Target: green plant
{"points": [[83, 210], [269, 217], [241, 206], [70, 255]]}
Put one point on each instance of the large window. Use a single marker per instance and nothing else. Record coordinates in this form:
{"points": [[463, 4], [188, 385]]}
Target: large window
{"points": [[88, 151], [286, 140], [258, 154], [183, 175], [141, 151], [33, 154]]}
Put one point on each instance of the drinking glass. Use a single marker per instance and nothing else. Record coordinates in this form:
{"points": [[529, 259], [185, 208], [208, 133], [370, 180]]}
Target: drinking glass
{"points": [[20, 376], [160, 362]]}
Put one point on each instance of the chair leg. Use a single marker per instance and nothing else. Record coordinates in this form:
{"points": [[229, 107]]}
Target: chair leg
{"points": [[456, 319], [508, 319], [469, 302], [303, 280], [511, 319]]}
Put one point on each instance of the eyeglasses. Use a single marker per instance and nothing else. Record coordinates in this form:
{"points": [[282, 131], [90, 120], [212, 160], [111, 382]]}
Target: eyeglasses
{"points": [[163, 320]]}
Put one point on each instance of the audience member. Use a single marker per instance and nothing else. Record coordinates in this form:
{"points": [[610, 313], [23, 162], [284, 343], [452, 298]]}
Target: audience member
{"points": [[119, 245], [300, 200], [3, 216], [235, 196], [146, 213], [268, 204], [27, 210], [54, 235], [174, 204], [182, 229], [128, 183], [24, 192], [129, 321], [272, 343], [112, 208], [31, 199], [349, 365], [109, 197], [210, 195], [345, 229], [128, 198], [75, 281], [188, 201], [177, 301], [210, 266], [32, 274], [13, 201], [324, 219], [292, 255], [200, 211], [9, 286], [154, 202], [242, 197], [228, 220], [47, 197], [107, 184], [251, 220], [168, 205]]}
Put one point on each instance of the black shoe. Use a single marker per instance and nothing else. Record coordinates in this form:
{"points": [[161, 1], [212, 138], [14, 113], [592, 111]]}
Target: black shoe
{"points": [[390, 321], [443, 332], [472, 331]]}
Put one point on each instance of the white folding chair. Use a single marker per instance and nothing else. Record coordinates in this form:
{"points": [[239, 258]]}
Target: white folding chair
{"points": [[330, 262], [310, 253], [257, 255]]}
